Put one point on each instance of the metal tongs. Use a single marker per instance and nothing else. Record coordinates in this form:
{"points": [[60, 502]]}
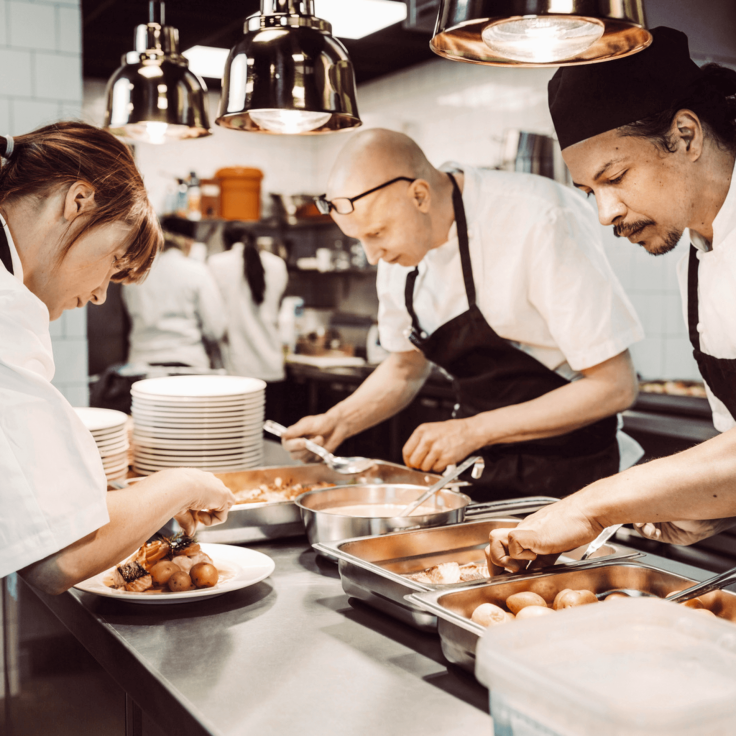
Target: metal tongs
{"points": [[707, 586], [479, 466], [600, 540]]}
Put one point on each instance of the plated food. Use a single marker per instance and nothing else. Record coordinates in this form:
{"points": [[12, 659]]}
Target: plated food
{"points": [[237, 567], [277, 492], [674, 388]]}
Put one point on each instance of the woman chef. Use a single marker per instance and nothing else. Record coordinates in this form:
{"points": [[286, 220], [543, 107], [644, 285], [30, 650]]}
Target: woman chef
{"points": [[73, 215], [500, 279], [653, 137]]}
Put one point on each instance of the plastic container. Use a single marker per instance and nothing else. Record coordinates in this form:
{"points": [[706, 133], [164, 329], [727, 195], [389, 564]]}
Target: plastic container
{"points": [[640, 667], [240, 193]]}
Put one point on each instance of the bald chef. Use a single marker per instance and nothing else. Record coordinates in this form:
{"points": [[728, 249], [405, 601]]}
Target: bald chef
{"points": [[499, 279]]}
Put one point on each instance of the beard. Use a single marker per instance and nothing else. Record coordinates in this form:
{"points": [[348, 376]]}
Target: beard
{"points": [[670, 240]]}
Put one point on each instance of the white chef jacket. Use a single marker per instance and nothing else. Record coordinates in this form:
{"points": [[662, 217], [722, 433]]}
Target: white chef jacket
{"points": [[716, 294], [53, 487], [172, 310], [253, 346], [542, 279]]}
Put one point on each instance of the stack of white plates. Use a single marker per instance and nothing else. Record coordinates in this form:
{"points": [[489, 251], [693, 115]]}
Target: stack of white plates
{"points": [[109, 429], [210, 422]]}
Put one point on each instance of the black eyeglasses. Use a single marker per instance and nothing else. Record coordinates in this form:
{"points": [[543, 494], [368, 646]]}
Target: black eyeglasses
{"points": [[344, 205]]}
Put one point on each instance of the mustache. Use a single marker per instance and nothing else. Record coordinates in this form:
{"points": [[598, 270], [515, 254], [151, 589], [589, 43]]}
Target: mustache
{"points": [[625, 230]]}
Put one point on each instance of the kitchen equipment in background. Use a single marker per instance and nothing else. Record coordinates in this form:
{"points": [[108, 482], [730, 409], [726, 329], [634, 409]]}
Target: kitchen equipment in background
{"points": [[534, 153], [637, 668], [110, 431], [210, 422], [288, 75], [210, 189], [290, 319], [374, 353], [343, 465], [542, 33], [154, 97], [240, 193]]}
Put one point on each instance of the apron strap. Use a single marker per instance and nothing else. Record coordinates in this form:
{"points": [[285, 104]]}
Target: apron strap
{"points": [[411, 279], [463, 241], [5, 257], [692, 297]]}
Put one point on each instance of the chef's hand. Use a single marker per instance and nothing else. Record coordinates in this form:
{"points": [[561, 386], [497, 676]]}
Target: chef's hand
{"points": [[554, 529], [683, 532], [208, 499], [324, 429], [434, 446]]}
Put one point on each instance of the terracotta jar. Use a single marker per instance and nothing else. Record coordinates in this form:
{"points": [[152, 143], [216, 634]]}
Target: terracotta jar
{"points": [[240, 193]]}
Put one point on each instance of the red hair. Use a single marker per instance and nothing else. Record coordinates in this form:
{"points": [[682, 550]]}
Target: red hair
{"points": [[61, 154]]}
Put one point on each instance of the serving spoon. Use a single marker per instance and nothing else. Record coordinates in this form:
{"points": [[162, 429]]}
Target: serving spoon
{"points": [[476, 460], [345, 465]]}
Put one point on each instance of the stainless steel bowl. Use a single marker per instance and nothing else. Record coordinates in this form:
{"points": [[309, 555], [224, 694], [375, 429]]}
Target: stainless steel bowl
{"points": [[448, 508]]}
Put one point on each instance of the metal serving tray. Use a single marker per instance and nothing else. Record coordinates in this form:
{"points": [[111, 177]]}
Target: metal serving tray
{"points": [[459, 635], [372, 568], [252, 522]]}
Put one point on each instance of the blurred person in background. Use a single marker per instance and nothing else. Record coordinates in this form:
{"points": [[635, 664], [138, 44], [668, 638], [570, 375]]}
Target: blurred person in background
{"points": [[177, 309], [252, 283]]}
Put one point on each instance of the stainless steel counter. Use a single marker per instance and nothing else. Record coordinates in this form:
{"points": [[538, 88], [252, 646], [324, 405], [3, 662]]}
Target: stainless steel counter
{"points": [[285, 656]]}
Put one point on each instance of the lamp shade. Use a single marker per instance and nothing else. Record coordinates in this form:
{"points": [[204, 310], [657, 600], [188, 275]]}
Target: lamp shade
{"points": [[288, 75], [154, 97], [539, 32]]}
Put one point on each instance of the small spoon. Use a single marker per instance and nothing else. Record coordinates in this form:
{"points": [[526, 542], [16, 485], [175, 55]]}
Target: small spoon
{"points": [[345, 465], [600, 540], [476, 460]]}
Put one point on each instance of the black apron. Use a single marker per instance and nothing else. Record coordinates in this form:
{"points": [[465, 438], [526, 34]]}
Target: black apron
{"points": [[718, 373], [489, 373], [5, 258]]}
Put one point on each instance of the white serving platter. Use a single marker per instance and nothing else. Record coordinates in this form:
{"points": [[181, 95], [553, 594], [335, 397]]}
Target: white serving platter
{"points": [[242, 568]]}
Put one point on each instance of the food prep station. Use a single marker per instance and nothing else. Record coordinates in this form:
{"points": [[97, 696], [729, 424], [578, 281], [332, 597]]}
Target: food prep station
{"points": [[336, 630]]}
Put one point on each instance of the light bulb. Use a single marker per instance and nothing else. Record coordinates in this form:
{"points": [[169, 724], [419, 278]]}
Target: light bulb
{"points": [[156, 132], [541, 40], [289, 122]]}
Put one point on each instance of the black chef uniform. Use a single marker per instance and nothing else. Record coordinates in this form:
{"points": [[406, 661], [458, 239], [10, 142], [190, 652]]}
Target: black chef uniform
{"points": [[489, 373]]}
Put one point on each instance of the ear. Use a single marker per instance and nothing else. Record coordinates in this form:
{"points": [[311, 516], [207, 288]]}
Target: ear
{"points": [[80, 199], [421, 195], [687, 133]]}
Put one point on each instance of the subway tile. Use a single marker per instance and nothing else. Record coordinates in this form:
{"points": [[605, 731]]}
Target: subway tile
{"points": [[31, 114], [31, 25], [647, 357], [69, 30], [72, 111], [4, 115], [648, 273], [649, 309], [15, 73], [3, 23], [674, 319], [76, 323], [58, 76], [70, 357], [678, 360], [77, 394]]}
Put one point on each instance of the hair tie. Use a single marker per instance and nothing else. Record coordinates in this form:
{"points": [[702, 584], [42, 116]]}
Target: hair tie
{"points": [[9, 146]]}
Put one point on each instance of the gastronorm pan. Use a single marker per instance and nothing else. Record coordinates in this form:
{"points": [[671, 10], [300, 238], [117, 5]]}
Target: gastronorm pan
{"points": [[459, 635], [251, 522], [372, 568]]}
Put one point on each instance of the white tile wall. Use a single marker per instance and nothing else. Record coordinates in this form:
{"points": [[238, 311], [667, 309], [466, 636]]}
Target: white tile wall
{"points": [[41, 82]]}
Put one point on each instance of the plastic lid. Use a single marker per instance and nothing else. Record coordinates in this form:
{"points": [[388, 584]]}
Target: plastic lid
{"points": [[622, 667]]}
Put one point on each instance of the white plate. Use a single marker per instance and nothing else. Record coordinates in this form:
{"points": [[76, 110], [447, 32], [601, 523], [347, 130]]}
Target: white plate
{"points": [[116, 464], [196, 444], [193, 413], [196, 459], [120, 449], [206, 435], [99, 419], [110, 435], [247, 567], [211, 468], [188, 387], [201, 427], [113, 439]]}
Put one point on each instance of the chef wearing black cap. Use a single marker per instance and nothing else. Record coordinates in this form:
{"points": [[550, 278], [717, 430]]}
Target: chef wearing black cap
{"points": [[653, 138]]}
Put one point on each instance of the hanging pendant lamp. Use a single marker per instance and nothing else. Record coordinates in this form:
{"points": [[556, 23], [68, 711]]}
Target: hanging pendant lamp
{"points": [[288, 75], [154, 97], [539, 32]]}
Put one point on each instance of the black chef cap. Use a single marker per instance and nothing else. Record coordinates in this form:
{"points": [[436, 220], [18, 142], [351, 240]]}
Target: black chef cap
{"points": [[591, 99]]}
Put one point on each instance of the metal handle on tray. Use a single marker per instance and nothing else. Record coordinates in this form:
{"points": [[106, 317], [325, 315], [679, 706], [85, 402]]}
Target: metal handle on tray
{"points": [[510, 506], [279, 429]]}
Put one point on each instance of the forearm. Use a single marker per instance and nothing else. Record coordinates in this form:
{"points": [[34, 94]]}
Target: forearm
{"points": [[699, 483], [390, 388], [558, 412], [136, 513]]}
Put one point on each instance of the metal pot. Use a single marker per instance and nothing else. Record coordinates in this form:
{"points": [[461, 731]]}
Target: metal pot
{"points": [[448, 508]]}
